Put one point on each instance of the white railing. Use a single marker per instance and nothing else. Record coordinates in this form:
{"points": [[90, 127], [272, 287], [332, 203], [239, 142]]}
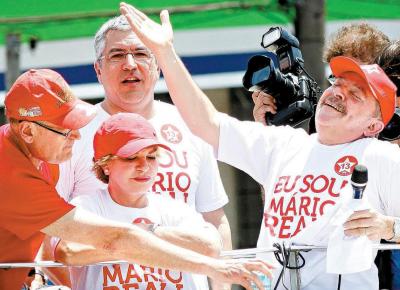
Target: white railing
{"points": [[234, 254]]}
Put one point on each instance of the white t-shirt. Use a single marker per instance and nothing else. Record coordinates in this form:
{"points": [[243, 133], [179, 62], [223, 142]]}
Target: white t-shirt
{"points": [[305, 184], [189, 173], [161, 210]]}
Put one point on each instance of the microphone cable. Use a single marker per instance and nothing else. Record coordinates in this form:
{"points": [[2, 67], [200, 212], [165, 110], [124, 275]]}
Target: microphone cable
{"points": [[282, 256]]}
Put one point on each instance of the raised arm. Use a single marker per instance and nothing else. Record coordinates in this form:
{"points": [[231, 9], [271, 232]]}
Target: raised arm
{"points": [[196, 109]]}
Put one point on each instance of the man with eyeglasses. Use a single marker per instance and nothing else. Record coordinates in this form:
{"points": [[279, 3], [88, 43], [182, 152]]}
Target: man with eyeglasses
{"points": [[128, 73], [44, 120], [307, 177]]}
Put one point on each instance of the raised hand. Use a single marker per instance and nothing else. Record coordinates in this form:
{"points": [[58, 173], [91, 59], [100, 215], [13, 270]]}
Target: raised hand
{"points": [[152, 34]]}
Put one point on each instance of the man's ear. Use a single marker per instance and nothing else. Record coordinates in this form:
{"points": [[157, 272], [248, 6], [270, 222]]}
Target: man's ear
{"points": [[26, 131], [97, 69], [374, 128]]}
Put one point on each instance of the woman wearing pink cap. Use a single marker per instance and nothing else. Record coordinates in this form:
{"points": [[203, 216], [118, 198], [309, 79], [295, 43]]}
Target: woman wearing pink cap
{"points": [[126, 149]]}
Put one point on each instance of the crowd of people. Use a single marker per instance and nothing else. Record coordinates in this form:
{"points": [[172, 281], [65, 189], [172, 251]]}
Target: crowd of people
{"points": [[136, 179]]}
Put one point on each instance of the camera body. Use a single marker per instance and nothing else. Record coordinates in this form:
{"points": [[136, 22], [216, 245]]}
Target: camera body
{"points": [[280, 73]]}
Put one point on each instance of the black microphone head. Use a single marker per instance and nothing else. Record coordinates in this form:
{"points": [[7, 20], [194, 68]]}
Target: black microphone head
{"points": [[359, 175]]}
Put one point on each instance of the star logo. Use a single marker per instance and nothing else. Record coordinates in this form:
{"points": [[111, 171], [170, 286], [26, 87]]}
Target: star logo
{"points": [[345, 165], [171, 134]]}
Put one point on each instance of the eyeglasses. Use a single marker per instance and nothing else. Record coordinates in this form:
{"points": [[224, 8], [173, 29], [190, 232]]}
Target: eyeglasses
{"points": [[65, 134], [331, 79], [392, 130], [140, 56]]}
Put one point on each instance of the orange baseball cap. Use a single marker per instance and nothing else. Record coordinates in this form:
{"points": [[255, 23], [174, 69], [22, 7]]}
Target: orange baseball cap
{"points": [[43, 95], [123, 135], [381, 87]]}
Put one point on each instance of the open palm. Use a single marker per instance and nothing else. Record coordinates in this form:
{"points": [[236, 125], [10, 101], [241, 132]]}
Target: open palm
{"points": [[152, 34]]}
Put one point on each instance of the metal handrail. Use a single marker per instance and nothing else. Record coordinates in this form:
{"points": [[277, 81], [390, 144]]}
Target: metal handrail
{"points": [[234, 254]]}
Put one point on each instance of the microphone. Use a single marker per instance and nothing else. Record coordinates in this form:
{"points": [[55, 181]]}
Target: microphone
{"points": [[359, 179]]}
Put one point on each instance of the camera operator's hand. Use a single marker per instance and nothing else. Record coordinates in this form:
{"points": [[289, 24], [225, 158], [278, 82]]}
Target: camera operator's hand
{"points": [[263, 103]]}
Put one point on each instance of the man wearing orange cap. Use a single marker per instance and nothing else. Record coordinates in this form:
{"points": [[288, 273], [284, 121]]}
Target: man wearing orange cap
{"points": [[306, 177], [44, 120], [361, 41]]}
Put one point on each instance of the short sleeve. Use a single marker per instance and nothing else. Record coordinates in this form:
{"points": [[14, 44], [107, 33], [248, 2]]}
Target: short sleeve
{"points": [[29, 203], [251, 146]]}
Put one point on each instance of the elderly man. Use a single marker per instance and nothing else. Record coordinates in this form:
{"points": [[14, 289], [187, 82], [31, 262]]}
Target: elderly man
{"points": [[44, 120], [360, 41], [306, 177]]}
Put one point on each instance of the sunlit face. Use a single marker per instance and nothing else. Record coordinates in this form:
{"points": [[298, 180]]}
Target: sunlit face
{"points": [[50, 146], [347, 108], [128, 81], [133, 175]]}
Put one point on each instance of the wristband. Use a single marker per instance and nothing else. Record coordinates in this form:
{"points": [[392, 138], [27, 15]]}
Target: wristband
{"points": [[396, 230]]}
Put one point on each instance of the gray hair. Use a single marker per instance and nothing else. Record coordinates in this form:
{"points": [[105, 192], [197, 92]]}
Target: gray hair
{"points": [[117, 23]]}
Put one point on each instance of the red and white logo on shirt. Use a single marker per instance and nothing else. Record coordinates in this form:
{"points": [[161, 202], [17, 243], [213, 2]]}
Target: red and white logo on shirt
{"points": [[345, 165], [171, 134]]}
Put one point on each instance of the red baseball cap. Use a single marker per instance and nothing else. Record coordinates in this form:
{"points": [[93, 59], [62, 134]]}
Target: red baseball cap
{"points": [[123, 135], [43, 95], [381, 87]]}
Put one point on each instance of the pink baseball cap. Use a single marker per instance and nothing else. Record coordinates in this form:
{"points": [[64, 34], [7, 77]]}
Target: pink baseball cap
{"points": [[43, 95], [381, 87], [123, 135]]}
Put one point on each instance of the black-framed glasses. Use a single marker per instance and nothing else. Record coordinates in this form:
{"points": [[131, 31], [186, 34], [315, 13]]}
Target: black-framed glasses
{"points": [[392, 129], [331, 79], [65, 134]]}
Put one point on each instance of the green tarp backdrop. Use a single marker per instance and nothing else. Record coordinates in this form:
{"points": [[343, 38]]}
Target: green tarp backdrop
{"points": [[82, 18]]}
